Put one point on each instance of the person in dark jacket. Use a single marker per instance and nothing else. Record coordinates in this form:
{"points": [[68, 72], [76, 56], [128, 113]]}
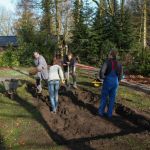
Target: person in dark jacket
{"points": [[111, 74], [69, 67]]}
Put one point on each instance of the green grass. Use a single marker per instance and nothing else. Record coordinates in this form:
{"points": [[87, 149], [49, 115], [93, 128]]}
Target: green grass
{"points": [[134, 141], [22, 126], [134, 99], [127, 96], [21, 73]]}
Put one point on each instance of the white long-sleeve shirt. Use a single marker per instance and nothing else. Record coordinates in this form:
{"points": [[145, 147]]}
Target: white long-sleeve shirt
{"points": [[55, 73]]}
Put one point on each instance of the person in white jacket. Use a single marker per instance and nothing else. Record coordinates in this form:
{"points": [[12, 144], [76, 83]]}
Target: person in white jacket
{"points": [[55, 76]]}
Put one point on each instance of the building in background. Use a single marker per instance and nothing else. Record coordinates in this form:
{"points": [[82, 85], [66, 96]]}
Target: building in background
{"points": [[6, 41]]}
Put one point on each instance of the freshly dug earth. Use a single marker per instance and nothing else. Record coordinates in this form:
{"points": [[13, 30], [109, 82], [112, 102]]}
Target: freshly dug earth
{"points": [[138, 79], [77, 125]]}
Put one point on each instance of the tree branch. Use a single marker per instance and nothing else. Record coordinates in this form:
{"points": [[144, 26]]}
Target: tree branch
{"points": [[97, 3]]}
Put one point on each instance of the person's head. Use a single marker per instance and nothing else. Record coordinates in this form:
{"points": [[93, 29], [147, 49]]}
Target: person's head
{"points": [[54, 61], [36, 55], [70, 56], [112, 54], [58, 56], [77, 59]]}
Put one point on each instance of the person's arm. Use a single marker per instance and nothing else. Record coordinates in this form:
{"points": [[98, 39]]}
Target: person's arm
{"points": [[65, 62], [120, 73], [41, 64], [49, 72], [61, 75], [103, 71]]}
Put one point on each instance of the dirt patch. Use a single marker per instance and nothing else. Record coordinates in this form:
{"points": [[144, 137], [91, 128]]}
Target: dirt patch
{"points": [[78, 126]]}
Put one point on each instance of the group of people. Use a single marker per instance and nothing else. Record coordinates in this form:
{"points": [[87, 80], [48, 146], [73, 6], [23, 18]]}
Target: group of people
{"points": [[60, 70]]}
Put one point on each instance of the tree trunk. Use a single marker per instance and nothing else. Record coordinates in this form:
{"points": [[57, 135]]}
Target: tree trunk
{"points": [[101, 7], [58, 19], [122, 8], [79, 3], [145, 25]]}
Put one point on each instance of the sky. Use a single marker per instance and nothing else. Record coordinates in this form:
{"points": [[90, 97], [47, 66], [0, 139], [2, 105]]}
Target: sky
{"points": [[8, 5]]}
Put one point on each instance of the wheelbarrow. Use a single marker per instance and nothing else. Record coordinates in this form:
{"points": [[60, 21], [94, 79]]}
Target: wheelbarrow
{"points": [[10, 86]]}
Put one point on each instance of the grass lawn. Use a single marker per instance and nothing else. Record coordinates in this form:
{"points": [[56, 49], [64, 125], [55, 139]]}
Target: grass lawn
{"points": [[23, 127], [134, 99], [14, 72], [127, 96]]}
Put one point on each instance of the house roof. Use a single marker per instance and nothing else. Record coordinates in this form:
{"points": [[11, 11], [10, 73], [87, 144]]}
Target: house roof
{"points": [[6, 40]]}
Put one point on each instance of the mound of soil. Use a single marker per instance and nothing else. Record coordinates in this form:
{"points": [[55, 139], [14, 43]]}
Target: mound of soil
{"points": [[138, 79], [77, 125]]}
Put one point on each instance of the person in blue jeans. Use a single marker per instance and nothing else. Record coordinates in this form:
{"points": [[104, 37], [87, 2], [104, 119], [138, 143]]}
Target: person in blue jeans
{"points": [[55, 76], [111, 74]]}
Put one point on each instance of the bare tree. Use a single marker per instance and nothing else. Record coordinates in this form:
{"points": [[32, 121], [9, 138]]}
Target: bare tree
{"points": [[58, 7], [6, 23], [140, 17], [26, 22]]}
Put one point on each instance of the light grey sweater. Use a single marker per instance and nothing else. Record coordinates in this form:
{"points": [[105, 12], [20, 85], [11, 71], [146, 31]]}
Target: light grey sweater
{"points": [[41, 65], [55, 73]]}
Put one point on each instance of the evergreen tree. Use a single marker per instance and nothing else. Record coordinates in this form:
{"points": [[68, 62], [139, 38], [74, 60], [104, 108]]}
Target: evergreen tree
{"points": [[112, 28], [97, 34], [26, 23], [127, 36], [80, 38], [46, 22]]}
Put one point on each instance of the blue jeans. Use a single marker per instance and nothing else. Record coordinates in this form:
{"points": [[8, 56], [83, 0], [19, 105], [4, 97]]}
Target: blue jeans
{"points": [[109, 89], [53, 87]]}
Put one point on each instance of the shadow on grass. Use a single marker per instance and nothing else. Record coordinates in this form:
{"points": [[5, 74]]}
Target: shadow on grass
{"points": [[80, 143], [118, 121], [2, 144], [2, 88], [58, 139], [22, 72]]}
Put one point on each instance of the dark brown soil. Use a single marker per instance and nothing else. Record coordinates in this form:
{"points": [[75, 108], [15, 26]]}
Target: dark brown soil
{"points": [[77, 125]]}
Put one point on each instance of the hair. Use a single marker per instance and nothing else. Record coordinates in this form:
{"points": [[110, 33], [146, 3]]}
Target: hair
{"points": [[113, 53], [35, 52], [70, 53], [54, 61], [57, 55]]}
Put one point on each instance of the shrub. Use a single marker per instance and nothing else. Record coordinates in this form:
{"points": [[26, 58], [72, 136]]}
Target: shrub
{"points": [[140, 63], [9, 58]]}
